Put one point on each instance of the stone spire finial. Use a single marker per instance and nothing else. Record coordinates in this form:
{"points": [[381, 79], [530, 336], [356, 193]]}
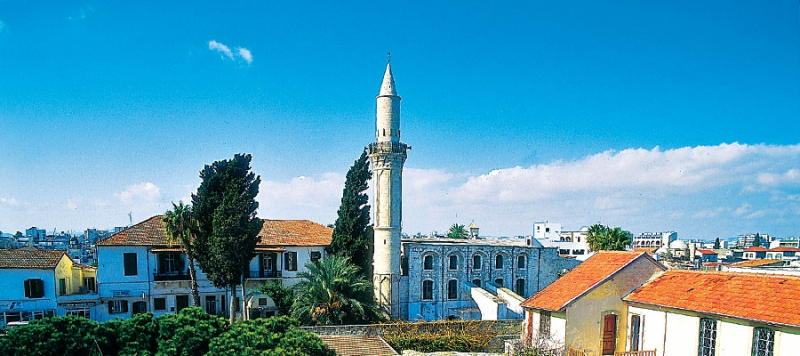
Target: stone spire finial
{"points": [[387, 87]]}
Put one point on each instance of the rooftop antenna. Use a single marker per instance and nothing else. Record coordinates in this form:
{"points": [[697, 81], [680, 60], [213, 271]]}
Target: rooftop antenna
{"points": [[130, 219]]}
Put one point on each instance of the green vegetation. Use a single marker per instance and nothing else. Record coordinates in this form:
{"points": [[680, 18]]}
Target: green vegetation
{"points": [[601, 237], [333, 292], [716, 244], [227, 226], [757, 240], [191, 332], [457, 231], [180, 226], [462, 336], [352, 233], [282, 296]]}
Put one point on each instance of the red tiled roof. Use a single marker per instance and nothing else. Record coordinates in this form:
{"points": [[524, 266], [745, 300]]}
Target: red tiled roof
{"points": [[582, 279], [274, 233], [30, 258], [758, 263], [756, 249], [769, 298], [294, 233], [358, 345], [706, 252], [784, 249]]}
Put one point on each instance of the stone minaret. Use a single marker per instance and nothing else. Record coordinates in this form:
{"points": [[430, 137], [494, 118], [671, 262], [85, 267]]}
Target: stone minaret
{"points": [[387, 155]]}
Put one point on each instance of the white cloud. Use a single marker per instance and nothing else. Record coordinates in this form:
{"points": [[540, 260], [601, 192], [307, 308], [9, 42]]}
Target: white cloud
{"points": [[221, 48], [241, 53], [245, 54], [302, 197], [9, 202], [143, 192]]}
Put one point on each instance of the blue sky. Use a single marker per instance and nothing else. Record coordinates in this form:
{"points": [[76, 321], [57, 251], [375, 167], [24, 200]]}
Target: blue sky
{"points": [[678, 115]]}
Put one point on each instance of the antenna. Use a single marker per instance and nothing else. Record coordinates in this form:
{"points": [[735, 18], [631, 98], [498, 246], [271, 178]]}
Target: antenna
{"points": [[130, 219]]}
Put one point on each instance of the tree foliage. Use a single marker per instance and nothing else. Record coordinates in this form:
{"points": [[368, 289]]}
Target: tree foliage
{"points": [[601, 237], [68, 336], [333, 292], [716, 244], [457, 231], [188, 332], [268, 337], [352, 233], [757, 240], [180, 227], [282, 296], [227, 226]]}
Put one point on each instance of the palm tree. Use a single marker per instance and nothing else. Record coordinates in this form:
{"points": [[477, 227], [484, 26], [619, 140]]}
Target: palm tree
{"points": [[179, 225], [602, 237], [333, 292], [457, 232]]}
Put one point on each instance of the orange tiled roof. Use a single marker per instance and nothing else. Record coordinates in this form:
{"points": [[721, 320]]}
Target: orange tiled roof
{"points": [[274, 233], [770, 298], [756, 249], [582, 279], [784, 249], [758, 263], [294, 233], [30, 258], [358, 345], [706, 252], [648, 250]]}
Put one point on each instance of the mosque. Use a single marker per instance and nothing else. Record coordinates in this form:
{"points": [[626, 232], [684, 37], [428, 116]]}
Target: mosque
{"points": [[440, 278]]}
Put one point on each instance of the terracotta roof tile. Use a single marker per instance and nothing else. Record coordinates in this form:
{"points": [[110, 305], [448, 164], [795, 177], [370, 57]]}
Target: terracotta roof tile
{"points": [[30, 258], [582, 279], [756, 249], [358, 345], [274, 233], [767, 298], [758, 263], [706, 252], [784, 249]]}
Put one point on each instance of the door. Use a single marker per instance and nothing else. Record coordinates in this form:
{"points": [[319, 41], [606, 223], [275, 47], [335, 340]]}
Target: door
{"points": [[211, 304], [609, 334]]}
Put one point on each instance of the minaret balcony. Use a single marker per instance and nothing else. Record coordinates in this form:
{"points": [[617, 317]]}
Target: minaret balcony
{"points": [[387, 147]]}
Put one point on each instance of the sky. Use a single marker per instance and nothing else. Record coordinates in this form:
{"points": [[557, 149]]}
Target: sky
{"points": [[653, 116]]}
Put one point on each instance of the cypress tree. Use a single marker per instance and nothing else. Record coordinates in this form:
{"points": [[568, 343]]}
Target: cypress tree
{"points": [[352, 233]]}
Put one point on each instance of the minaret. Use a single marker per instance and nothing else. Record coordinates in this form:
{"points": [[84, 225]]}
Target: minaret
{"points": [[387, 155]]}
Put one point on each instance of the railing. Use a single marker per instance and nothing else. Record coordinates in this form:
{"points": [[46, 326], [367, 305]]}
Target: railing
{"points": [[636, 353], [265, 274], [387, 147], [158, 277], [575, 352]]}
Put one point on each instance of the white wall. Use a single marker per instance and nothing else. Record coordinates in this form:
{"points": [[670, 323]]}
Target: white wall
{"points": [[652, 331], [733, 339], [682, 335]]}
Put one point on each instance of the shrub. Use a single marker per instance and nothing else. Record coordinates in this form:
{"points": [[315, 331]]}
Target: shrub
{"points": [[268, 337], [188, 332]]}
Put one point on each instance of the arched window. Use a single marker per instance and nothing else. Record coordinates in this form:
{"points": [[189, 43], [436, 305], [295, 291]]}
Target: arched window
{"points": [[452, 289], [476, 261], [521, 262], [427, 262], [427, 290], [519, 287], [476, 282], [498, 262], [499, 282], [453, 262]]}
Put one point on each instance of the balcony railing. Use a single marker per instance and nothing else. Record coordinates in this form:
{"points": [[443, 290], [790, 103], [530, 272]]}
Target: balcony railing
{"points": [[636, 353], [388, 147], [265, 274], [170, 276]]}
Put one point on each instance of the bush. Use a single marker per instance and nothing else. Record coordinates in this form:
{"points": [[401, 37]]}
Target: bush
{"points": [[188, 332], [462, 336], [137, 335], [268, 337], [67, 336]]}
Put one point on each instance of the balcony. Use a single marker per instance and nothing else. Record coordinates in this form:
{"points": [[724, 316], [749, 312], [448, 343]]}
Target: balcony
{"points": [[170, 276], [265, 274], [388, 147]]}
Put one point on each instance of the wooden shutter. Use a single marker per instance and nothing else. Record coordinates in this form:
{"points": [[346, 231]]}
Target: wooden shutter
{"points": [[27, 284], [609, 334], [129, 260], [110, 307]]}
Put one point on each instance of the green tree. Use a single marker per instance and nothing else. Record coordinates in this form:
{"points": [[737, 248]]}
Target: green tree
{"points": [[282, 296], [757, 240], [352, 233], [601, 237], [227, 226], [68, 336], [179, 225], [716, 244], [276, 336], [188, 333], [457, 231], [138, 336], [333, 292]]}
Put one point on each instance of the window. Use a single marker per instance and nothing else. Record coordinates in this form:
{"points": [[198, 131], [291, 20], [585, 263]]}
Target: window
{"points": [[427, 290], [578, 252], [290, 261], [83, 312], [519, 287], [90, 284], [498, 262], [452, 289], [544, 324], [117, 306], [708, 337], [160, 303], [62, 286], [34, 288], [315, 256], [476, 261], [476, 282], [636, 332], [181, 302], [262, 302], [139, 307], [453, 262], [169, 263], [211, 304], [129, 260], [521, 262], [499, 282], [427, 262], [763, 342]]}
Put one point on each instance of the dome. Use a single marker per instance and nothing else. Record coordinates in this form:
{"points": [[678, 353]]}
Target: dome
{"points": [[661, 251], [678, 245]]}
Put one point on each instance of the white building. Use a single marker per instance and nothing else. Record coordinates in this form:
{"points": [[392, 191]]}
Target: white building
{"points": [[653, 240], [570, 243], [141, 272]]}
